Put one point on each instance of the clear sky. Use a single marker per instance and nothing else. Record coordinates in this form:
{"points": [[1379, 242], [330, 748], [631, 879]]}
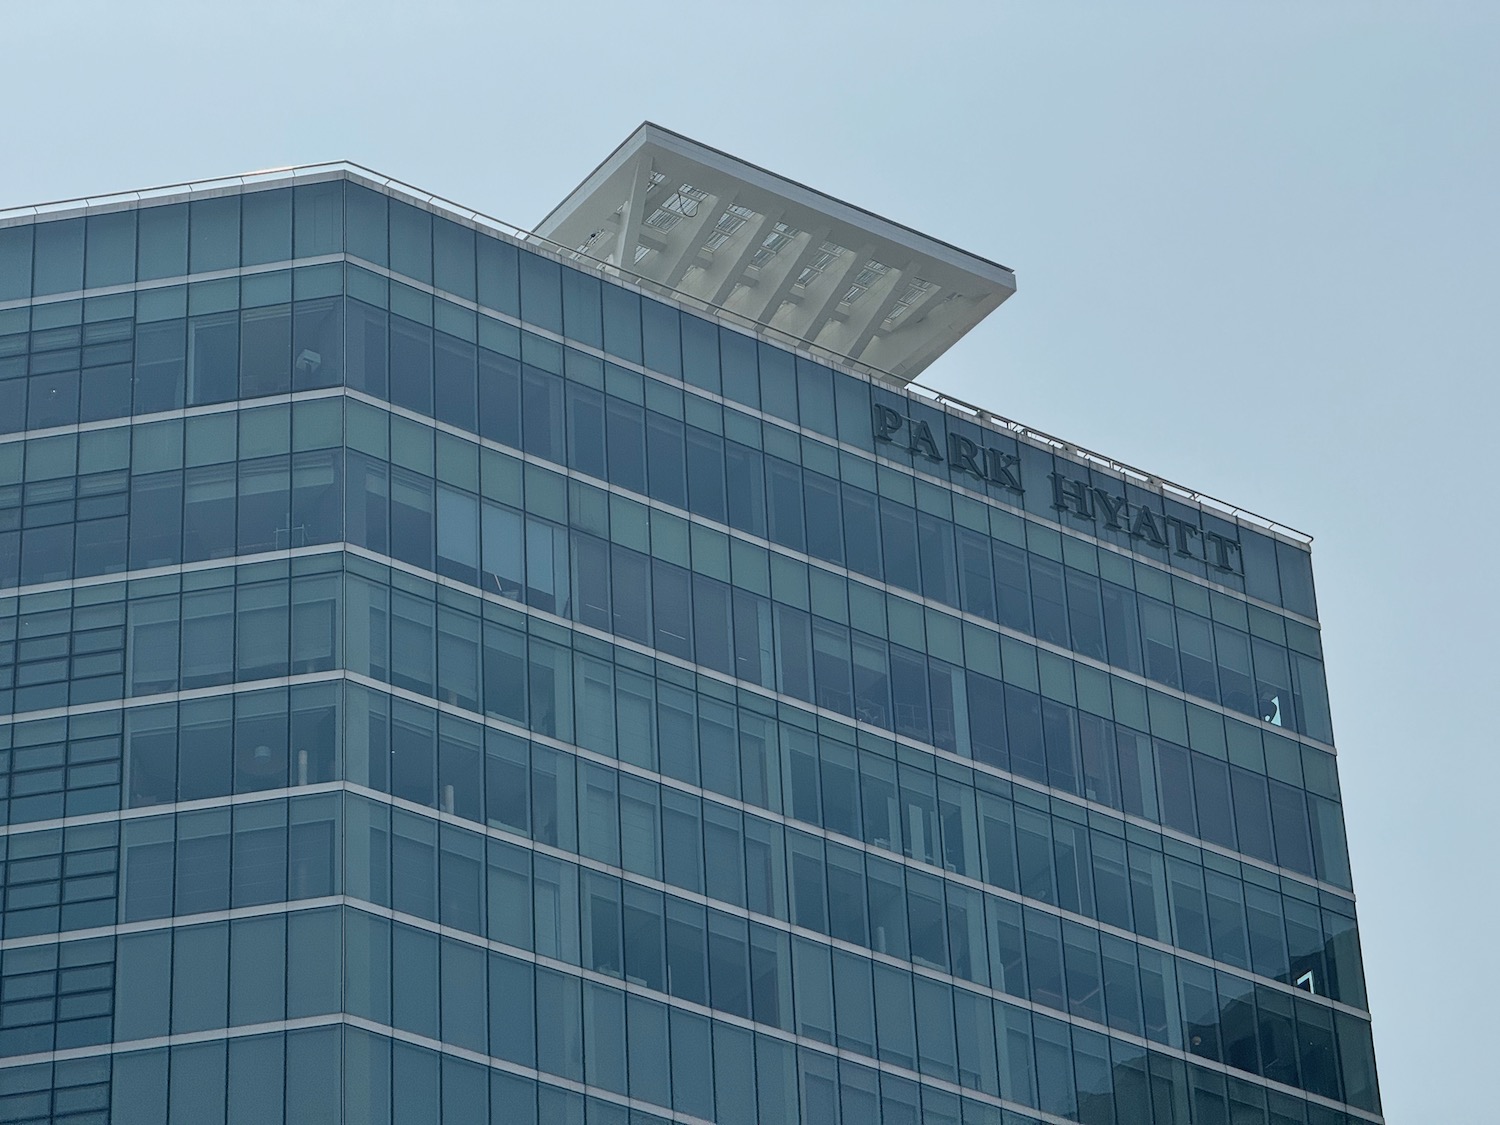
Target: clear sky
{"points": [[1257, 248]]}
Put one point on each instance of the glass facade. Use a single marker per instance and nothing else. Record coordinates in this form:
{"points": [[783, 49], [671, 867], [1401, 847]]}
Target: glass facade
{"points": [[438, 683]]}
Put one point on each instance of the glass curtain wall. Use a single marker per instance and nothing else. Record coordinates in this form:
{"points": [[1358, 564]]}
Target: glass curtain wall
{"points": [[440, 683]]}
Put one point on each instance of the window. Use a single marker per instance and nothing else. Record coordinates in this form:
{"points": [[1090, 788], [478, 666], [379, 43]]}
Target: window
{"points": [[503, 547], [265, 351], [457, 534], [213, 358]]}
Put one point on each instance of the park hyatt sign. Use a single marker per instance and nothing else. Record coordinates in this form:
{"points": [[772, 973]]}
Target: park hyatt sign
{"points": [[1077, 498]]}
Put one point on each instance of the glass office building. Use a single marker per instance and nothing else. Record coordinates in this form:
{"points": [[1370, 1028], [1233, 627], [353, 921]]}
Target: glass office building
{"points": [[451, 676]]}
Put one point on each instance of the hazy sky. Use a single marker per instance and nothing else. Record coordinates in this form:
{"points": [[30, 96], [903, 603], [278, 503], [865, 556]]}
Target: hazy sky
{"points": [[1257, 252]]}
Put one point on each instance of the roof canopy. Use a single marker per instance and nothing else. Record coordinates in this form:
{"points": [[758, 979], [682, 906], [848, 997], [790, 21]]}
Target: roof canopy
{"points": [[726, 232]]}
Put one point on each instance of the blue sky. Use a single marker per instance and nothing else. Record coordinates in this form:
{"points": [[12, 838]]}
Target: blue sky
{"points": [[1257, 253]]}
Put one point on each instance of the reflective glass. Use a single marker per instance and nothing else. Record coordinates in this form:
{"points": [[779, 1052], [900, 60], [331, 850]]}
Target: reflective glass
{"points": [[574, 676]]}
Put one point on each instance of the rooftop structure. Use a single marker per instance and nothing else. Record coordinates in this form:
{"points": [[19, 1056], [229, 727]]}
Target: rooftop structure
{"points": [[734, 235], [642, 278]]}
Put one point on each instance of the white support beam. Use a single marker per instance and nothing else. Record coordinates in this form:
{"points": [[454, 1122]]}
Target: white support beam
{"points": [[733, 258], [685, 239], [855, 334], [637, 206], [779, 275], [822, 297], [905, 354], [915, 312]]}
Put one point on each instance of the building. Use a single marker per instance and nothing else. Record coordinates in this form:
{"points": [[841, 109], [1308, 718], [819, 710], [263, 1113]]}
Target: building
{"points": [[450, 674]]}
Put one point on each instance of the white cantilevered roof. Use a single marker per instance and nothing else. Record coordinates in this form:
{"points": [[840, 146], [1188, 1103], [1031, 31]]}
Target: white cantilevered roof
{"points": [[771, 250]]}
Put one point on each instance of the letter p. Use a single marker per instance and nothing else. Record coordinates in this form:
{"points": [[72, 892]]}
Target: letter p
{"points": [[887, 422]]}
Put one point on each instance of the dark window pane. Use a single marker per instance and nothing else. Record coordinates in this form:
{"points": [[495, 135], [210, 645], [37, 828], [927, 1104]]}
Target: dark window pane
{"points": [[319, 218], [1048, 600], [46, 554], [700, 353], [101, 547], [59, 257], [157, 541], [453, 258], [1061, 735], [1085, 619], [266, 220], [1121, 627], [747, 489], [542, 409], [898, 527], [665, 455], [265, 351], [541, 294], [622, 323], [1023, 716], [1211, 790], [214, 234], [500, 398], [456, 382], [741, 373], [585, 429], [662, 347], [111, 249], [264, 503], [1159, 635], [160, 366], [909, 694], [582, 301], [1177, 803], [1012, 587], [1289, 823], [935, 546], [104, 392], [825, 532], [318, 343], [213, 358], [411, 365], [862, 531], [711, 623], [411, 241], [631, 601], [412, 531], [52, 400], [705, 472], [163, 242], [367, 234], [15, 262], [208, 513], [1236, 680], [626, 443], [368, 349], [498, 270], [367, 505], [1293, 564], [1195, 641]]}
